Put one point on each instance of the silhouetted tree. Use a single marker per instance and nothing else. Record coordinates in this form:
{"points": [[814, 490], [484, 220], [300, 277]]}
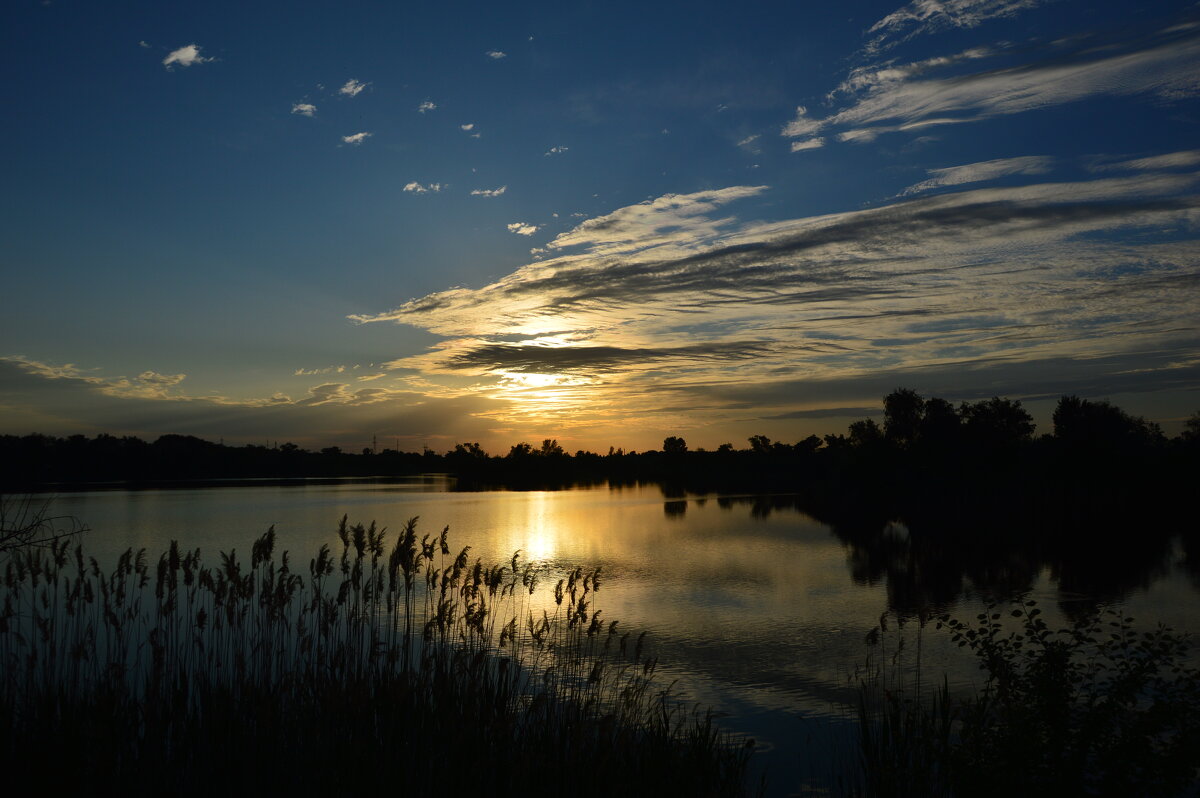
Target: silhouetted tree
{"points": [[865, 432], [1081, 422], [940, 423], [550, 448], [1191, 428], [903, 410], [674, 445], [835, 442], [760, 444], [997, 422], [808, 445], [520, 450], [472, 451]]}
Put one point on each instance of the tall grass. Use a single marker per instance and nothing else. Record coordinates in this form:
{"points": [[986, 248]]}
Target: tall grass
{"points": [[403, 667], [1094, 708]]}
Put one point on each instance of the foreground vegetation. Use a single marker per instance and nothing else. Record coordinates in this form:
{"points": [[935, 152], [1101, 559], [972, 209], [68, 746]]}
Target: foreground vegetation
{"points": [[1096, 708], [413, 667], [403, 668]]}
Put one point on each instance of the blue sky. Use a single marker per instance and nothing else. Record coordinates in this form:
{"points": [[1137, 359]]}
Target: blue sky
{"points": [[604, 223]]}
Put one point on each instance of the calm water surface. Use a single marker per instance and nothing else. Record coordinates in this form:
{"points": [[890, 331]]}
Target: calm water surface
{"points": [[754, 612]]}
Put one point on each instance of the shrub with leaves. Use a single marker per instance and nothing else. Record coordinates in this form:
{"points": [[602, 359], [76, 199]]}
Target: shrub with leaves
{"points": [[1095, 708]]}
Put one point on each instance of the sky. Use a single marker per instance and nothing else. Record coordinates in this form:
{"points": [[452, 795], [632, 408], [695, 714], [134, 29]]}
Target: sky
{"points": [[604, 223]]}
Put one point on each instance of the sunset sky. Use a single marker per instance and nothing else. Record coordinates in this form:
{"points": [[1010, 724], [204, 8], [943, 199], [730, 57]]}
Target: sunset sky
{"points": [[600, 222]]}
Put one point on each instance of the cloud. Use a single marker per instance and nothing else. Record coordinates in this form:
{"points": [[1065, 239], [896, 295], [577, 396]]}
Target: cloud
{"points": [[556, 150], [495, 54], [303, 372], [413, 187], [979, 172], [928, 16], [426, 106], [872, 77], [656, 300], [808, 144], [906, 98], [750, 144], [154, 378], [527, 359], [147, 385], [185, 56], [64, 400], [353, 88], [522, 229], [1173, 160], [488, 192], [802, 124], [145, 45], [673, 223], [304, 109], [467, 127], [1168, 70], [832, 412], [357, 138]]}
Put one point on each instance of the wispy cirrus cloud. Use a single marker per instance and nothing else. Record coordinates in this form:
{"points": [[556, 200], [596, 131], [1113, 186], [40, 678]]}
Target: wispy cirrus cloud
{"points": [[426, 106], [353, 88], [897, 98], [413, 187], [673, 223], [982, 171], [802, 124], [927, 16], [496, 55], [304, 109], [303, 372], [1185, 159], [186, 56], [488, 192], [556, 150], [814, 143], [523, 229], [354, 139], [751, 144], [872, 77]]}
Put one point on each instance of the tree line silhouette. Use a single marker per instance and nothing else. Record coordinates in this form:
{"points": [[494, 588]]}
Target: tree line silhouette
{"points": [[924, 445]]}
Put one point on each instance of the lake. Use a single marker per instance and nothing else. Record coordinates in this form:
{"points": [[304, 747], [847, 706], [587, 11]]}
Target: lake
{"points": [[759, 611]]}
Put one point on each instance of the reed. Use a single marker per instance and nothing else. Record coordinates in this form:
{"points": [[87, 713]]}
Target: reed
{"points": [[404, 666]]}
